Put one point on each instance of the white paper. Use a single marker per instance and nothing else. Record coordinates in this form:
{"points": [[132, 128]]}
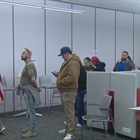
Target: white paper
{"points": [[135, 108]]}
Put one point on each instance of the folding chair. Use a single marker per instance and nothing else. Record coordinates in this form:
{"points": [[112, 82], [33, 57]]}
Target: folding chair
{"points": [[106, 115]]}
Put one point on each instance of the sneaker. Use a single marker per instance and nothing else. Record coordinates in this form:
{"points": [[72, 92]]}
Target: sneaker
{"points": [[65, 122], [25, 130], [2, 129], [29, 134], [79, 125], [69, 137], [62, 131]]}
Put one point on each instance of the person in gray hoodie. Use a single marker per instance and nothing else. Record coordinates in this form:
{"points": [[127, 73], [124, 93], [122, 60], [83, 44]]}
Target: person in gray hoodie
{"points": [[124, 64]]}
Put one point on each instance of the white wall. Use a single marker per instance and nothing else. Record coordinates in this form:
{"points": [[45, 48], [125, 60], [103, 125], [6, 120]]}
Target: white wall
{"points": [[58, 34], [29, 33], [83, 32], [46, 32], [105, 36], [124, 34], [6, 50], [137, 39]]}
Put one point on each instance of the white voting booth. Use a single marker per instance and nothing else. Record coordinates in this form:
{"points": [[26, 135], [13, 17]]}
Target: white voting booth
{"points": [[137, 72], [124, 86], [98, 85]]}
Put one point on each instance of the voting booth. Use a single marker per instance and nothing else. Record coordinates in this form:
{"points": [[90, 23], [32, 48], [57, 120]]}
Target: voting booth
{"points": [[125, 87], [137, 109], [98, 84]]}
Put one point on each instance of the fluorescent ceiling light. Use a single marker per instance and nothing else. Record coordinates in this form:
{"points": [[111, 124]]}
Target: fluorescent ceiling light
{"points": [[42, 7], [63, 9], [20, 4]]}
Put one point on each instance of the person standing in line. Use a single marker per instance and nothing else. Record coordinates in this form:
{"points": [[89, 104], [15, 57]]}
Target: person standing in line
{"points": [[80, 106], [67, 84], [30, 90], [124, 64], [87, 64]]}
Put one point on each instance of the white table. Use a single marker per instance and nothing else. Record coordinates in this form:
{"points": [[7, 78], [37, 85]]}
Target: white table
{"points": [[135, 108]]}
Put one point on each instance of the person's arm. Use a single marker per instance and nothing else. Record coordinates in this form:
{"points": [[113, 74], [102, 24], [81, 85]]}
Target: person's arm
{"points": [[33, 79], [72, 73], [132, 66]]}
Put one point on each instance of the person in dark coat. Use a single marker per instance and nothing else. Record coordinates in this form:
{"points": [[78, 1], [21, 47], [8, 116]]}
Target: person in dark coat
{"points": [[97, 64], [80, 107]]}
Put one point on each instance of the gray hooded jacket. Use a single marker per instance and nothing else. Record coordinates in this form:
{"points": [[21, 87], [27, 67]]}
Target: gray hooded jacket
{"points": [[129, 66]]}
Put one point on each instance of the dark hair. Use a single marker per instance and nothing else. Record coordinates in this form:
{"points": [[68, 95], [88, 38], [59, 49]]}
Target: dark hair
{"points": [[130, 59], [125, 52], [88, 59]]}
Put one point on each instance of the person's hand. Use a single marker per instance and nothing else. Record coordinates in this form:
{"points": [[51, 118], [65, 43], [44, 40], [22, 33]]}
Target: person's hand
{"points": [[55, 73], [39, 89]]}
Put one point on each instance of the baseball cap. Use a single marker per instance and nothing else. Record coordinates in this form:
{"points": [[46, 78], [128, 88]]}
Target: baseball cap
{"points": [[64, 50]]}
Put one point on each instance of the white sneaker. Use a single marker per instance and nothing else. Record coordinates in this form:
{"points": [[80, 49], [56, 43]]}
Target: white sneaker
{"points": [[62, 132], [79, 125], [65, 122], [69, 137], [2, 129]]}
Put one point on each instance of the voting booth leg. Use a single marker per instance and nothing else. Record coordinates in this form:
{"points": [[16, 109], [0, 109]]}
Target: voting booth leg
{"points": [[138, 114], [111, 93], [25, 113]]}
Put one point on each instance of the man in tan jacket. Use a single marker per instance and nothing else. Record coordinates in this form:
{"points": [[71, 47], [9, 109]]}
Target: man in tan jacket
{"points": [[67, 84]]}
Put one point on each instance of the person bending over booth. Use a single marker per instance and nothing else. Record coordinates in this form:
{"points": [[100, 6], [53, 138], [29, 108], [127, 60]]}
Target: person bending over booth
{"points": [[97, 64]]}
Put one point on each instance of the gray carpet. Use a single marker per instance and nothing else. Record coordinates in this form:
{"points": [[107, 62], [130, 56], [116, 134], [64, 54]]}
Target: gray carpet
{"points": [[48, 127]]}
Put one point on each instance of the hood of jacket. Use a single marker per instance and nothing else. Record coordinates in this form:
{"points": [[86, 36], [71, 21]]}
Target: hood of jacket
{"points": [[73, 58]]}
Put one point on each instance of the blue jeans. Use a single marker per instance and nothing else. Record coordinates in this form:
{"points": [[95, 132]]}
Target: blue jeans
{"points": [[30, 103], [80, 107]]}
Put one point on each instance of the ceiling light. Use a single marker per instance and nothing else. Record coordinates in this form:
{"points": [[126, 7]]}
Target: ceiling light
{"points": [[42, 7]]}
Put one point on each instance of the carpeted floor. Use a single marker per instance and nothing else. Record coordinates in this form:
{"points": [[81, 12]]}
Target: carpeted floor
{"points": [[47, 127]]}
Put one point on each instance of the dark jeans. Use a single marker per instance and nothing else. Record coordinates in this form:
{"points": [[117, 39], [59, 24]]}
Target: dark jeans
{"points": [[80, 107]]}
